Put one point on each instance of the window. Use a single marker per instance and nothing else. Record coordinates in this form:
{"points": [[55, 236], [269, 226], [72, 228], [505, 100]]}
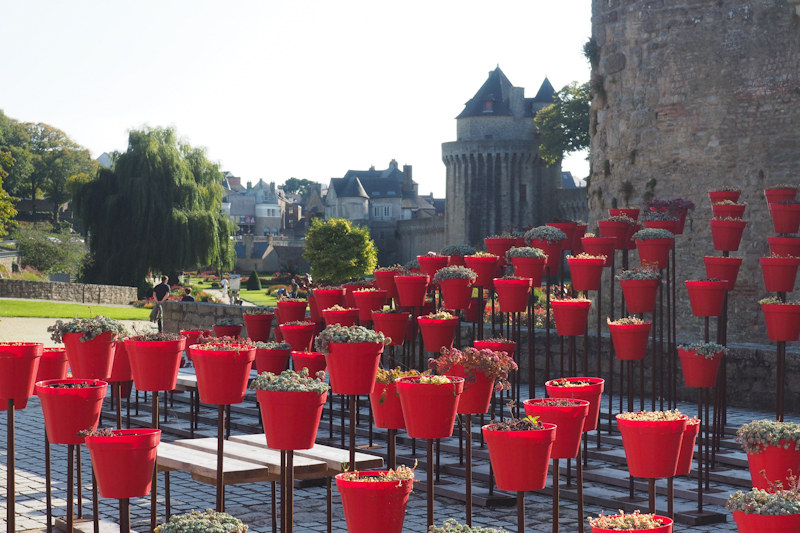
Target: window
{"points": [[376, 212], [387, 211], [382, 235], [488, 106]]}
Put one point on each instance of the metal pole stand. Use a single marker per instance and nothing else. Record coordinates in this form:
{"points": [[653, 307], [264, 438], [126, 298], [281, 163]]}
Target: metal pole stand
{"points": [[353, 415], [430, 481], [556, 481], [154, 491], [468, 422], [10, 471], [220, 446]]}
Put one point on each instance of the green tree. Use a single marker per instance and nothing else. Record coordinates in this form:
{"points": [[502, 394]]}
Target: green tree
{"points": [[564, 125], [159, 209], [7, 211], [338, 250], [299, 186], [253, 282], [61, 166], [48, 252]]}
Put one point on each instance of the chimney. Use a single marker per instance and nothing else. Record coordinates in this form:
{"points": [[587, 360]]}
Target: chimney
{"points": [[407, 180], [393, 163]]}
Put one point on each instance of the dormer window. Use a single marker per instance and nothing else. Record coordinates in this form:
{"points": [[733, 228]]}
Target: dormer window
{"points": [[488, 106]]}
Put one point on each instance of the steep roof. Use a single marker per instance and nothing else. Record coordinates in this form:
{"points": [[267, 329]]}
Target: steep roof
{"points": [[391, 172], [546, 93], [348, 187], [496, 88]]}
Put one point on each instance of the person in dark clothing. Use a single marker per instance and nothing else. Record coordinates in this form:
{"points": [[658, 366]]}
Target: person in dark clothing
{"points": [[188, 296], [161, 294]]}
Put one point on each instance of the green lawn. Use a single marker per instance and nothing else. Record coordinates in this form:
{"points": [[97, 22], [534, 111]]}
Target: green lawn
{"points": [[38, 309], [260, 298]]}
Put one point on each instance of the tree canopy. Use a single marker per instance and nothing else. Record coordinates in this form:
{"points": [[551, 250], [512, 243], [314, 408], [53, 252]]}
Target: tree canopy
{"points": [[338, 250], [159, 209], [564, 125], [7, 211], [299, 186]]}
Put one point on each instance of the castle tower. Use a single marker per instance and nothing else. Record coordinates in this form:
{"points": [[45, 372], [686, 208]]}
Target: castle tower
{"points": [[495, 177]]}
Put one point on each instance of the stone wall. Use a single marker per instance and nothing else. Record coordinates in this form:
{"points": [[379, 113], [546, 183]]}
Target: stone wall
{"points": [[688, 96], [572, 204], [198, 315], [420, 236], [67, 292]]}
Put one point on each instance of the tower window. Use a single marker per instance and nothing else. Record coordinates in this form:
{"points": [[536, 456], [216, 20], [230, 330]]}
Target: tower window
{"points": [[488, 106]]}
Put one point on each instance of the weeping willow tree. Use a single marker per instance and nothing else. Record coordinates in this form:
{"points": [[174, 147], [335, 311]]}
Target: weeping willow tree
{"points": [[159, 209]]}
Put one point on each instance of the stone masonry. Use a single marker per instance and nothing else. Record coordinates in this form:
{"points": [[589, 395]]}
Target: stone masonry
{"points": [[67, 292]]}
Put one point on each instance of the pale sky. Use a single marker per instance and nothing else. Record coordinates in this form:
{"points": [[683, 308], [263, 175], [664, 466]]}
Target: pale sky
{"points": [[283, 89]]}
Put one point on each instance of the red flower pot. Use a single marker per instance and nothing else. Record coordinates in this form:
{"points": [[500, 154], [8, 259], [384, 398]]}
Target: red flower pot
{"points": [[618, 231], [726, 268], [699, 371], [567, 227], [392, 325], [327, 298], [707, 297], [779, 273], [499, 247], [687, 447], [783, 322], [273, 361], [429, 410], [652, 447], [630, 244], [785, 217], [124, 464], [292, 311], [778, 195], [222, 375], [349, 299], [437, 334], [472, 313], [457, 293], [347, 317], [313, 361], [513, 294], [728, 211], [191, 338], [640, 294], [386, 408], [552, 251], [630, 340], [431, 264], [53, 365], [586, 273], [68, 411], [411, 290], [299, 337], [313, 309], [671, 226], [258, 326], [529, 267], [155, 364], [727, 234], [455, 260], [600, 246], [784, 246], [477, 393], [291, 419], [776, 461], [278, 335], [371, 506], [763, 523], [367, 302], [227, 331], [591, 393], [570, 316], [681, 220], [665, 528], [506, 448], [655, 251], [385, 281], [721, 196], [484, 267], [121, 370], [632, 213], [577, 240], [568, 420], [507, 347], [352, 366], [91, 359]]}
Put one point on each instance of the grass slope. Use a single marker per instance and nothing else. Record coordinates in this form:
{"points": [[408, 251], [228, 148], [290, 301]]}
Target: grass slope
{"points": [[39, 309]]}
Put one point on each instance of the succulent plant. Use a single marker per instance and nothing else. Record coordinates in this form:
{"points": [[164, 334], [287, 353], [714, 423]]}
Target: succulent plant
{"points": [[258, 311], [638, 273], [89, 327], [558, 402], [584, 255], [337, 307], [272, 345], [759, 434], [727, 202], [482, 254], [228, 322], [427, 379], [202, 522], [290, 381], [659, 216], [649, 234], [774, 300], [497, 339], [366, 289], [779, 501], [545, 233], [452, 526], [651, 416], [676, 204], [408, 273], [298, 323], [393, 268], [411, 264], [348, 334], [564, 382], [454, 272], [589, 235], [726, 188], [461, 250], [783, 186], [627, 321], [286, 299], [525, 251], [223, 347], [626, 522], [439, 315], [202, 339], [706, 349], [157, 337], [620, 218], [403, 473], [99, 432], [729, 219], [571, 299], [357, 283], [393, 374], [494, 365]]}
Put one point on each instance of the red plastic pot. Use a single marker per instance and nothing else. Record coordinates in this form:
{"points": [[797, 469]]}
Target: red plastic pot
{"points": [[457, 293], [313, 309], [727, 234], [699, 371], [278, 335], [155, 364], [349, 299], [291, 419], [347, 317], [681, 220], [507, 450], [484, 267], [385, 281], [386, 408], [91, 359], [429, 410], [367, 302], [273, 361], [652, 447], [687, 447], [455, 260], [222, 375], [784, 246], [121, 370], [567, 227], [592, 393], [313, 361], [570, 316], [655, 251], [577, 243], [630, 244], [728, 211], [411, 290], [371, 506], [353, 366], [53, 365], [630, 340], [392, 325], [327, 298], [783, 321], [707, 297], [552, 251], [764, 523], [721, 196], [507, 347], [437, 334], [776, 461], [472, 313], [671, 226], [640, 294], [779, 273], [600, 246], [777, 195], [586, 273], [632, 213], [619, 231], [292, 311], [477, 393], [529, 267], [499, 247], [124, 464], [568, 420], [227, 331], [726, 268], [191, 338], [665, 528], [299, 337], [258, 326], [68, 411], [513, 294], [785, 217], [430, 264]]}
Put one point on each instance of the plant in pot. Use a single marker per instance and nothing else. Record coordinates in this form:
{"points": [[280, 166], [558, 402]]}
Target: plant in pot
{"points": [[652, 441], [706, 296], [580, 388], [619, 228], [385, 400], [384, 278], [155, 359], [497, 344], [313, 361], [375, 501], [726, 233], [209, 521], [654, 246], [687, 447], [700, 363], [300, 334], [70, 406], [291, 407], [429, 404], [580, 232], [569, 227], [258, 321], [438, 330], [292, 309], [352, 355], [630, 336], [272, 356], [528, 262], [785, 216], [227, 327], [456, 285], [782, 319], [222, 372], [499, 244], [728, 209], [726, 268], [411, 288], [568, 415], [19, 364], [352, 286], [780, 272], [781, 191], [512, 293], [393, 323], [484, 265], [773, 451], [457, 253], [89, 343], [661, 220], [431, 263], [726, 192], [340, 315], [52, 365], [452, 526], [596, 246], [571, 315], [640, 288], [676, 206], [549, 240], [123, 460], [368, 300], [586, 270], [631, 522], [329, 295], [767, 511]]}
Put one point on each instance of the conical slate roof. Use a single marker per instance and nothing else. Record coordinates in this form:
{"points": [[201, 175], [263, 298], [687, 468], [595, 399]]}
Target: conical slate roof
{"points": [[546, 93], [498, 89]]}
